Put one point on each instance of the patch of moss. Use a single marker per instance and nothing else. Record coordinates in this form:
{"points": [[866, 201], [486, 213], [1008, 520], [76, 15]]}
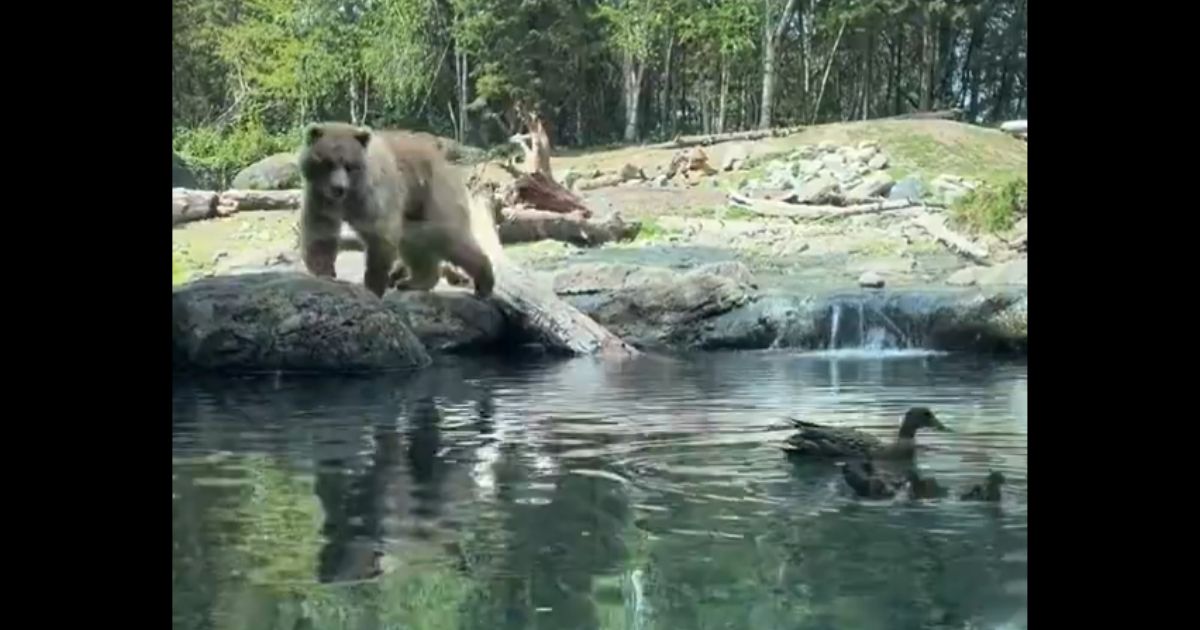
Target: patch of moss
{"points": [[993, 207], [185, 267], [652, 230]]}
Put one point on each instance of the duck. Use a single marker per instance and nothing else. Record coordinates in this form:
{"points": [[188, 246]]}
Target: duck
{"points": [[924, 487], [815, 440], [868, 482], [988, 491]]}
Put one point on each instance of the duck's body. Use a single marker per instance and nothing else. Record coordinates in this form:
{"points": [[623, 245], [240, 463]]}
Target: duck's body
{"points": [[988, 491], [924, 487], [870, 483], [815, 440]]}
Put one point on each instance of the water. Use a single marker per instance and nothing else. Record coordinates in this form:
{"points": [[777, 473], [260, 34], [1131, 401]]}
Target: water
{"points": [[647, 495]]}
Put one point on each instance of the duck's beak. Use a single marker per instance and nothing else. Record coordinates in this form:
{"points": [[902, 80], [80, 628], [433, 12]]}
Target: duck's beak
{"points": [[937, 425]]}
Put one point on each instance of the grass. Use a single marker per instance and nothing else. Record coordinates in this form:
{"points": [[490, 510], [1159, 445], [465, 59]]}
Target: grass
{"points": [[993, 207], [654, 231]]}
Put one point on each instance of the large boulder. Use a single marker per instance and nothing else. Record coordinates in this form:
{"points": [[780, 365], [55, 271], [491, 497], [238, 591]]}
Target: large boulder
{"points": [[451, 320], [277, 172], [717, 307], [658, 308], [181, 173], [288, 321]]}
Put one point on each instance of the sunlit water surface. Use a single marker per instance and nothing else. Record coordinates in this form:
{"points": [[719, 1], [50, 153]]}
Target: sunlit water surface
{"points": [[645, 495]]}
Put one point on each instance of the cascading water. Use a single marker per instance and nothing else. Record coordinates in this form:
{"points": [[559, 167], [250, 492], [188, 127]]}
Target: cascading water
{"points": [[861, 327]]}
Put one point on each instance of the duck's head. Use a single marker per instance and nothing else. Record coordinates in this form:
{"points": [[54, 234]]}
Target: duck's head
{"points": [[919, 418], [995, 479]]}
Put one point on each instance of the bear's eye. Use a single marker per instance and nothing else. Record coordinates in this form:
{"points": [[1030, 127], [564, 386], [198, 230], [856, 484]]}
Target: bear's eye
{"points": [[353, 168]]}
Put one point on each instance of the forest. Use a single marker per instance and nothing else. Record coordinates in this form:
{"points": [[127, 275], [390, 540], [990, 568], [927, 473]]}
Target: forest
{"points": [[248, 73]]}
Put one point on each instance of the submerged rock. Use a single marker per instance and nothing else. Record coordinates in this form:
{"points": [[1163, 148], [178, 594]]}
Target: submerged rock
{"points": [[871, 280], [288, 321]]}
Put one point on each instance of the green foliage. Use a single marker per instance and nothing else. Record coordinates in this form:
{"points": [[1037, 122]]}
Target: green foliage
{"points": [[992, 208], [216, 155]]}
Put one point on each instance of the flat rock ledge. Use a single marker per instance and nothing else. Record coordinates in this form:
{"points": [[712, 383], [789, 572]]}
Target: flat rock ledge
{"points": [[287, 320]]}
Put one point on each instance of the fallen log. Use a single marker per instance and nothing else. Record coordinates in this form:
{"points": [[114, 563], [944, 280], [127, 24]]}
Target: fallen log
{"points": [[527, 225], [192, 205], [711, 139], [769, 208], [1015, 127], [232, 201], [524, 225], [536, 307], [541, 192], [935, 226], [943, 114]]}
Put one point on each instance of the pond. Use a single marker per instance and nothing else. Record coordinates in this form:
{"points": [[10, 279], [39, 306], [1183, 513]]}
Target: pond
{"points": [[649, 494]]}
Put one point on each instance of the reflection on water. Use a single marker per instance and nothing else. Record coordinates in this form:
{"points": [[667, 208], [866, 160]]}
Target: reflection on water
{"points": [[645, 495]]}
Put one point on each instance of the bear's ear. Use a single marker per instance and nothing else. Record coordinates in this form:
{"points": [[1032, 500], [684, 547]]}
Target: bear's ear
{"points": [[313, 132], [363, 135]]}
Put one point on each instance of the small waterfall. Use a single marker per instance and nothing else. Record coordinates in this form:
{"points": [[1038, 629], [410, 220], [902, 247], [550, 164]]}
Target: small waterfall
{"points": [[835, 325], [859, 326]]}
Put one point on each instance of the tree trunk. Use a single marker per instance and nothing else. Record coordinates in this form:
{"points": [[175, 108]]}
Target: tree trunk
{"points": [[1012, 40], [824, 79], [870, 51], [632, 71], [771, 39], [898, 71], [667, 120], [721, 106], [928, 61]]}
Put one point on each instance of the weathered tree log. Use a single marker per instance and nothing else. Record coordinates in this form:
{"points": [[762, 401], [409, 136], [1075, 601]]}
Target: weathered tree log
{"points": [[560, 326], [943, 114], [935, 226], [766, 207], [542, 192], [524, 225], [709, 140], [608, 179], [232, 201], [1015, 126], [192, 205]]}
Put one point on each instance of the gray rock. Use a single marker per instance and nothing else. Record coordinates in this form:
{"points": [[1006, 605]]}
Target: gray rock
{"points": [[868, 144], [732, 269], [735, 157], [181, 174], [808, 167], [864, 154], [277, 172], [630, 172], [804, 152], [965, 277], [569, 177], [666, 312], [908, 188], [449, 320], [661, 181], [1014, 272], [879, 162], [874, 185], [833, 160], [871, 280], [816, 191], [826, 146], [288, 321], [603, 277]]}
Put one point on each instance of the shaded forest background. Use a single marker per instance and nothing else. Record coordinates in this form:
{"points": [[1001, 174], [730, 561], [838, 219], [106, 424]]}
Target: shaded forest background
{"points": [[249, 73]]}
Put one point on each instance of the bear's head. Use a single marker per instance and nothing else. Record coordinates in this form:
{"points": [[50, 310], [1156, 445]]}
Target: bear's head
{"points": [[334, 159]]}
